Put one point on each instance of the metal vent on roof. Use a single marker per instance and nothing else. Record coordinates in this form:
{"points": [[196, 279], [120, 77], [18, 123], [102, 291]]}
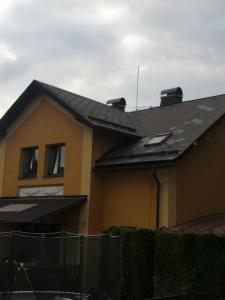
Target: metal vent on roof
{"points": [[119, 103], [171, 96]]}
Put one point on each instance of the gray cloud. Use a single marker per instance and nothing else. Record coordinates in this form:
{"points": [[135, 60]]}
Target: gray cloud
{"points": [[94, 47]]}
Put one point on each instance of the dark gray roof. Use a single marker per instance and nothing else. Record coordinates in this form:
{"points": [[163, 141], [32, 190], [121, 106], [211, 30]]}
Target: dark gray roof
{"points": [[214, 223], [95, 113], [186, 122], [34, 209], [91, 112]]}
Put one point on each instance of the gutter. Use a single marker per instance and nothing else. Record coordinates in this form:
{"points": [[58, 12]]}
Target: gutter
{"points": [[158, 189], [133, 166]]}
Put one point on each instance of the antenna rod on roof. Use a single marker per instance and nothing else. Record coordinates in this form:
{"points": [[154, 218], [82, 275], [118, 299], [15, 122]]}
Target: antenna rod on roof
{"points": [[137, 93]]}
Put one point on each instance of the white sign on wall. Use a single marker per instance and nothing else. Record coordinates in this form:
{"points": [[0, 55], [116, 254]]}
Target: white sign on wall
{"points": [[42, 191]]}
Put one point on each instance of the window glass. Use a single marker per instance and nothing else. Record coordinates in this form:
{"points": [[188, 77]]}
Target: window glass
{"points": [[29, 162], [158, 139], [55, 160]]}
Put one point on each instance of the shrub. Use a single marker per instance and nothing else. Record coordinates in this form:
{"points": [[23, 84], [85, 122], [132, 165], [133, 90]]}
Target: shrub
{"points": [[137, 262], [189, 263]]}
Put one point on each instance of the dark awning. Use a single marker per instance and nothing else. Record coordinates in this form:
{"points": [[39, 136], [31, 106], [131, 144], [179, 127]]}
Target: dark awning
{"points": [[34, 209]]}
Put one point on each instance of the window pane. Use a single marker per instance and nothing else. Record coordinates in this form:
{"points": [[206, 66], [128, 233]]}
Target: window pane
{"points": [[56, 157], [36, 151], [62, 160], [56, 162], [158, 139], [30, 159]]}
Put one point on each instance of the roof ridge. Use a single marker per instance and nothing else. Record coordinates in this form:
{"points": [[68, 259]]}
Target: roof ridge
{"points": [[183, 102], [55, 87], [80, 107]]}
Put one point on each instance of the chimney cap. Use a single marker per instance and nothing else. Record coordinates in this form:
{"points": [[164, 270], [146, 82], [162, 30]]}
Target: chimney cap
{"points": [[171, 96], [173, 91], [119, 103]]}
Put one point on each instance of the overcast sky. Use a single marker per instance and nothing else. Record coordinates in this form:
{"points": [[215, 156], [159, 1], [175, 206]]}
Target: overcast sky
{"points": [[93, 48]]}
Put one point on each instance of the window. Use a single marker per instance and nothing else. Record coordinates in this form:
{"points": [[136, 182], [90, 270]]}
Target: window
{"points": [[29, 162], [55, 160], [158, 139]]}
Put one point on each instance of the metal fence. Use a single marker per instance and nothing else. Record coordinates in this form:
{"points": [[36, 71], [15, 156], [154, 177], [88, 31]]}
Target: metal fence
{"points": [[84, 265], [202, 296]]}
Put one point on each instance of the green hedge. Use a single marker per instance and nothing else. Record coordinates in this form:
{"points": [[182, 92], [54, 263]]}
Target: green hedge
{"points": [[167, 263], [186, 263], [137, 263]]}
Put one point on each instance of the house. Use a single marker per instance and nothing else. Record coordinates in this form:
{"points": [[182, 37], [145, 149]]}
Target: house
{"points": [[70, 163]]}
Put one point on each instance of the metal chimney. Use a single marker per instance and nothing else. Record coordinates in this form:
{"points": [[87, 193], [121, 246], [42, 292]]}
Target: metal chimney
{"points": [[171, 96], [119, 103]]}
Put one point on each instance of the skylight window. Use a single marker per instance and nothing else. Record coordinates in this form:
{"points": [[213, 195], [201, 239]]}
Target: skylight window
{"points": [[16, 207], [158, 139]]}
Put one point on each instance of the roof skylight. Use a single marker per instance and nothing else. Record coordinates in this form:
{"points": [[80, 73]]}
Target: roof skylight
{"points": [[158, 139], [16, 207]]}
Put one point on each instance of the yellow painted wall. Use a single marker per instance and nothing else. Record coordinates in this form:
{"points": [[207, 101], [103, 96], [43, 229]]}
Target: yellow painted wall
{"points": [[129, 199], [201, 177], [49, 124], [46, 125], [2, 162], [102, 141], [167, 209]]}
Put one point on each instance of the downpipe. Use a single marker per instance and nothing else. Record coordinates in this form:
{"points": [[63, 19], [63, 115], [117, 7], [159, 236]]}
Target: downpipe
{"points": [[158, 190]]}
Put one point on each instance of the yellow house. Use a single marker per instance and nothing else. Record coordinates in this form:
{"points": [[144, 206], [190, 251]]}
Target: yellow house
{"points": [[70, 163]]}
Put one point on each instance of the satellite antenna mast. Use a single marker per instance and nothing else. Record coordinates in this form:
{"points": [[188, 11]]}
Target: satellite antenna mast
{"points": [[137, 93]]}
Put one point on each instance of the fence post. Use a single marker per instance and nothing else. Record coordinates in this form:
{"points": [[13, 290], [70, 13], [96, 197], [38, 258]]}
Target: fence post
{"points": [[64, 261], [81, 266], [11, 261], [121, 240]]}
